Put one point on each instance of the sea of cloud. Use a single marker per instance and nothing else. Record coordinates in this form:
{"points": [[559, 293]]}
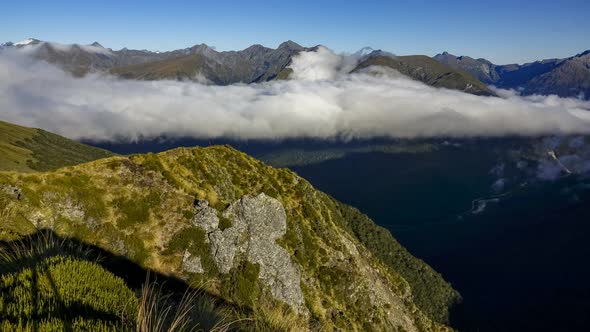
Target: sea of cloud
{"points": [[322, 100]]}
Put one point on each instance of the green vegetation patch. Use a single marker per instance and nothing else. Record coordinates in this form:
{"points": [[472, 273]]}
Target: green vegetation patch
{"points": [[242, 284], [79, 188], [64, 291], [136, 210], [193, 239]]}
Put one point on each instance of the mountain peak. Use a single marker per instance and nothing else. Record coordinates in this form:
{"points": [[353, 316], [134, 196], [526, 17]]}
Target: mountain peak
{"points": [[445, 54], [380, 53], [201, 48], [364, 51], [255, 47], [27, 41], [96, 44], [290, 45]]}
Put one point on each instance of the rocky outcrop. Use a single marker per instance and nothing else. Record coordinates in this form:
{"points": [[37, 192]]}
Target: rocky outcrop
{"points": [[256, 223], [13, 191], [191, 263]]}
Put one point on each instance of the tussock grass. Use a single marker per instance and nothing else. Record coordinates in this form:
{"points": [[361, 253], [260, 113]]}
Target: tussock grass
{"points": [[273, 317], [160, 312], [48, 283], [15, 254]]}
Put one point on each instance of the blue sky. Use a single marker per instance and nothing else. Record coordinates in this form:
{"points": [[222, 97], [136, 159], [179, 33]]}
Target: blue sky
{"points": [[502, 31]]}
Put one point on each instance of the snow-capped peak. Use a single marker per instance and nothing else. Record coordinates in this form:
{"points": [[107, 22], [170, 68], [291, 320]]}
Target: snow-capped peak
{"points": [[364, 51], [25, 42]]}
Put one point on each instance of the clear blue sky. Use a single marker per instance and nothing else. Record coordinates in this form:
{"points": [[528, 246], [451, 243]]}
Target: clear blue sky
{"points": [[502, 31]]}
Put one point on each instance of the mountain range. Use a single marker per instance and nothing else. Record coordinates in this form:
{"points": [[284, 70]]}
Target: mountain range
{"points": [[567, 77], [252, 65]]}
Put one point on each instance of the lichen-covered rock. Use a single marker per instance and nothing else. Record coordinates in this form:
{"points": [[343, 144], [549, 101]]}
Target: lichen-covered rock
{"points": [[224, 246], [191, 263], [70, 209], [264, 220], [257, 222], [206, 217], [13, 191]]}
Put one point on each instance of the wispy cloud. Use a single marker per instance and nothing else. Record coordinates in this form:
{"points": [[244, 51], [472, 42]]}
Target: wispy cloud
{"points": [[320, 102]]}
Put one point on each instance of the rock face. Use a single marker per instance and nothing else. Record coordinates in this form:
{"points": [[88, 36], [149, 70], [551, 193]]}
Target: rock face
{"points": [[191, 263], [13, 191], [257, 222]]}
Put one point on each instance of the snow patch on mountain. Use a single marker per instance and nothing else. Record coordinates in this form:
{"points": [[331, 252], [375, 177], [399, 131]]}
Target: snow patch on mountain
{"points": [[25, 42]]}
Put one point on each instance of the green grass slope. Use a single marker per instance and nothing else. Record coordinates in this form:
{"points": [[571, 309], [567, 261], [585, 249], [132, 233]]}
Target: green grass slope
{"points": [[26, 150], [354, 275], [429, 71]]}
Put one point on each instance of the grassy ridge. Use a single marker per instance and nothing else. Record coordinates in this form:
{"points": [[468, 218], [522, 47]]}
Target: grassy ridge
{"points": [[27, 150], [141, 207]]}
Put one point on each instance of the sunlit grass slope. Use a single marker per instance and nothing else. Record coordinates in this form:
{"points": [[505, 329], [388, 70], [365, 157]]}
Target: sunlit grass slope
{"points": [[27, 149]]}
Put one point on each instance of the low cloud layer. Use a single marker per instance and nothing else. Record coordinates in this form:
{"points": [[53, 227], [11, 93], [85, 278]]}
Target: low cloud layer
{"points": [[320, 102]]}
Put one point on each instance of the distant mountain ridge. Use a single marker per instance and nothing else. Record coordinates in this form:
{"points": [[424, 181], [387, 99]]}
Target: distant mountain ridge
{"points": [[253, 64], [427, 70], [568, 77]]}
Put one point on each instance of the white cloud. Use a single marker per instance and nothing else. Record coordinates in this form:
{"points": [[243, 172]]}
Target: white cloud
{"points": [[322, 64], [322, 102]]}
